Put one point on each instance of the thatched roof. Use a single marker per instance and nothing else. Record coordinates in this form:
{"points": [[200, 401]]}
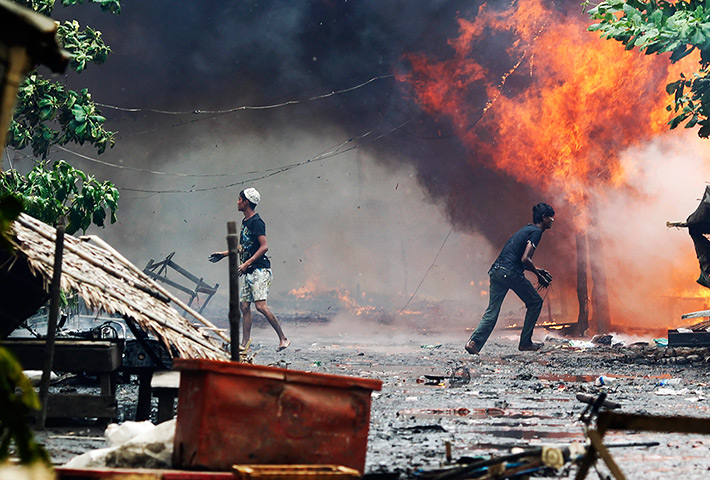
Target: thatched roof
{"points": [[108, 282]]}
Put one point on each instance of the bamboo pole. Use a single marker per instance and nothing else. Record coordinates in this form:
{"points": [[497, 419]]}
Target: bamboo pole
{"points": [[234, 313], [18, 63], [52, 322]]}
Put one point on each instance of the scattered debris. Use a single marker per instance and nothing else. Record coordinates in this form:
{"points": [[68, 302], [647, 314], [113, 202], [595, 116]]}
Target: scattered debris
{"points": [[460, 376], [602, 339], [133, 445]]}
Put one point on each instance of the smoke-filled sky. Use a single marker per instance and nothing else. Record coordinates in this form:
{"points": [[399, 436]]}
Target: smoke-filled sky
{"points": [[373, 189]]}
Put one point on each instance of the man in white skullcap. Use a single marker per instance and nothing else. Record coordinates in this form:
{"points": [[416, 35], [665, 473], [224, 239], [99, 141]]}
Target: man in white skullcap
{"points": [[254, 267]]}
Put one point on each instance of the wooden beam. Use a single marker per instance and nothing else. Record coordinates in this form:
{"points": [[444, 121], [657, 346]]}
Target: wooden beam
{"points": [[65, 405], [69, 355], [234, 312], [54, 291], [652, 423]]}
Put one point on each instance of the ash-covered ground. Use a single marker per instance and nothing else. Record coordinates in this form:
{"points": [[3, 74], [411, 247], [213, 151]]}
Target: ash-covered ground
{"points": [[513, 399]]}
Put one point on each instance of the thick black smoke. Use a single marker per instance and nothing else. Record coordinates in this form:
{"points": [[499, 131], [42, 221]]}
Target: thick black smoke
{"points": [[215, 55], [211, 55]]}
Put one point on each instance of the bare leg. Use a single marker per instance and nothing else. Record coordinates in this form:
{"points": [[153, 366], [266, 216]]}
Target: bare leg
{"points": [[262, 308], [245, 307]]}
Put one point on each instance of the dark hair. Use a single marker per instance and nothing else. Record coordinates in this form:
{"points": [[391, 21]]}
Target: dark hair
{"points": [[540, 210], [251, 204]]}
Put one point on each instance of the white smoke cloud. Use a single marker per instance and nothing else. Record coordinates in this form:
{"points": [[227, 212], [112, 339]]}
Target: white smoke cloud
{"points": [[650, 265], [345, 223]]}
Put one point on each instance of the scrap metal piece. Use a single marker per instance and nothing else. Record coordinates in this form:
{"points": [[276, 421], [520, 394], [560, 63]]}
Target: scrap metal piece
{"points": [[159, 271]]}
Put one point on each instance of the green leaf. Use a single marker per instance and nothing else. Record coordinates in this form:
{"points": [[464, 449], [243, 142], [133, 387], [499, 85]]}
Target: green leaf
{"points": [[675, 121], [99, 216], [63, 190], [681, 52]]}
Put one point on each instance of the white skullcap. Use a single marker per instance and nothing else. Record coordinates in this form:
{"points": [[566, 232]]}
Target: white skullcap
{"points": [[252, 195]]}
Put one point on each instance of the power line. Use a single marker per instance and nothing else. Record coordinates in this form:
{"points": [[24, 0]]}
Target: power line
{"points": [[210, 114], [153, 172], [247, 107], [321, 156], [272, 172], [433, 262]]}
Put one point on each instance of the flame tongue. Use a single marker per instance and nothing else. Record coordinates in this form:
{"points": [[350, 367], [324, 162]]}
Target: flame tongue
{"points": [[561, 109]]}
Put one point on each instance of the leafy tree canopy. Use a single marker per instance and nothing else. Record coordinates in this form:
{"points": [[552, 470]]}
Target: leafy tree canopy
{"points": [[48, 194], [47, 112], [680, 28]]}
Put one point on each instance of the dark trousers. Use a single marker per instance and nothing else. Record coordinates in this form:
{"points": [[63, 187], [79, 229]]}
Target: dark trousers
{"points": [[502, 280]]}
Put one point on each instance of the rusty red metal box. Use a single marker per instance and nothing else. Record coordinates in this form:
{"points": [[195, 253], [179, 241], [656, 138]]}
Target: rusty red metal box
{"points": [[236, 413]]}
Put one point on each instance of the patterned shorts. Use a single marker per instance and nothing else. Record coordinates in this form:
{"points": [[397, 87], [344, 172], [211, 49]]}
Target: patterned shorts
{"points": [[254, 286]]}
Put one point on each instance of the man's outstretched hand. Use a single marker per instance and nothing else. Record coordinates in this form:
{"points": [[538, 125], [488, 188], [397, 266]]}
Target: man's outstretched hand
{"points": [[544, 277], [216, 257]]}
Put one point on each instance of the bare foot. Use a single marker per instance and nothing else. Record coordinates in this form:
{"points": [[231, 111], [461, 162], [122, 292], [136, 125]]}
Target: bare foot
{"points": [[284, 344]]}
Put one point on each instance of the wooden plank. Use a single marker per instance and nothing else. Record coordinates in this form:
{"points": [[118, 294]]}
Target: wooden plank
{"points": [[694, 339], [69, 355], [596, 439], [168, 281], [165, 387], [143, 407], [165, 379], [700, 314], [166, 404], [74, 405], [647, 423]]}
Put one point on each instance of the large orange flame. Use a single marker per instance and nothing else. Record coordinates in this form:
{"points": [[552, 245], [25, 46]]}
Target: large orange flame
{"points": [[553, 107], [577, 100]]}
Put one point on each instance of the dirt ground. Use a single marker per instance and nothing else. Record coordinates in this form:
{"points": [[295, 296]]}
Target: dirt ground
{"points": [[513, 399]]}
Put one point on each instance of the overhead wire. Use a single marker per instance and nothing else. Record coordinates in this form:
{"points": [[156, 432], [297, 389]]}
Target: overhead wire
{"points": [[272, 172], [248, 107], [144, 170], [209, 114], [436, 257]]}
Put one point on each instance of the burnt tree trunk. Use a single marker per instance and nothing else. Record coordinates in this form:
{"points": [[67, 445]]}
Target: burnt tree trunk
{"points": [[582, 285], [601, 318]]}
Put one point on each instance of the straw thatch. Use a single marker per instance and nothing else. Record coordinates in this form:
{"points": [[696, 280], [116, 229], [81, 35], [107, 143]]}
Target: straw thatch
{"points": [[108, 282]]}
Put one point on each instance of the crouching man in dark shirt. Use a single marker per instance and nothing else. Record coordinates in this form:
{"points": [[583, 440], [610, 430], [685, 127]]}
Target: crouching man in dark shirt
{"points": [[507, 273]]}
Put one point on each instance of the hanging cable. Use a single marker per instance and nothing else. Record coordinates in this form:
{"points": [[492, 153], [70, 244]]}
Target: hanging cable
{"points": [[321, 156], [270, 173], [247, 107], [451, 230]]}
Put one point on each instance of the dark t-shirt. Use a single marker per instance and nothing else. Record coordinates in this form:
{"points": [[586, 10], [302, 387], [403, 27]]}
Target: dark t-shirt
{"points": [[515, 247], [252, 228]]}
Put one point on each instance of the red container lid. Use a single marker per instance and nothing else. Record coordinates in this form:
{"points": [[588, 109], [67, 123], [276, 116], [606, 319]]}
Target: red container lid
{"points": [[275, 373]]}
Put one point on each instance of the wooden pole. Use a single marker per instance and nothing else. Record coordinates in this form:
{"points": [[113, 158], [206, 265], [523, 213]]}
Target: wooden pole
{"points": [[234, 313], [601, 316], [582, 287], [54, 290], [18, 63]]}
